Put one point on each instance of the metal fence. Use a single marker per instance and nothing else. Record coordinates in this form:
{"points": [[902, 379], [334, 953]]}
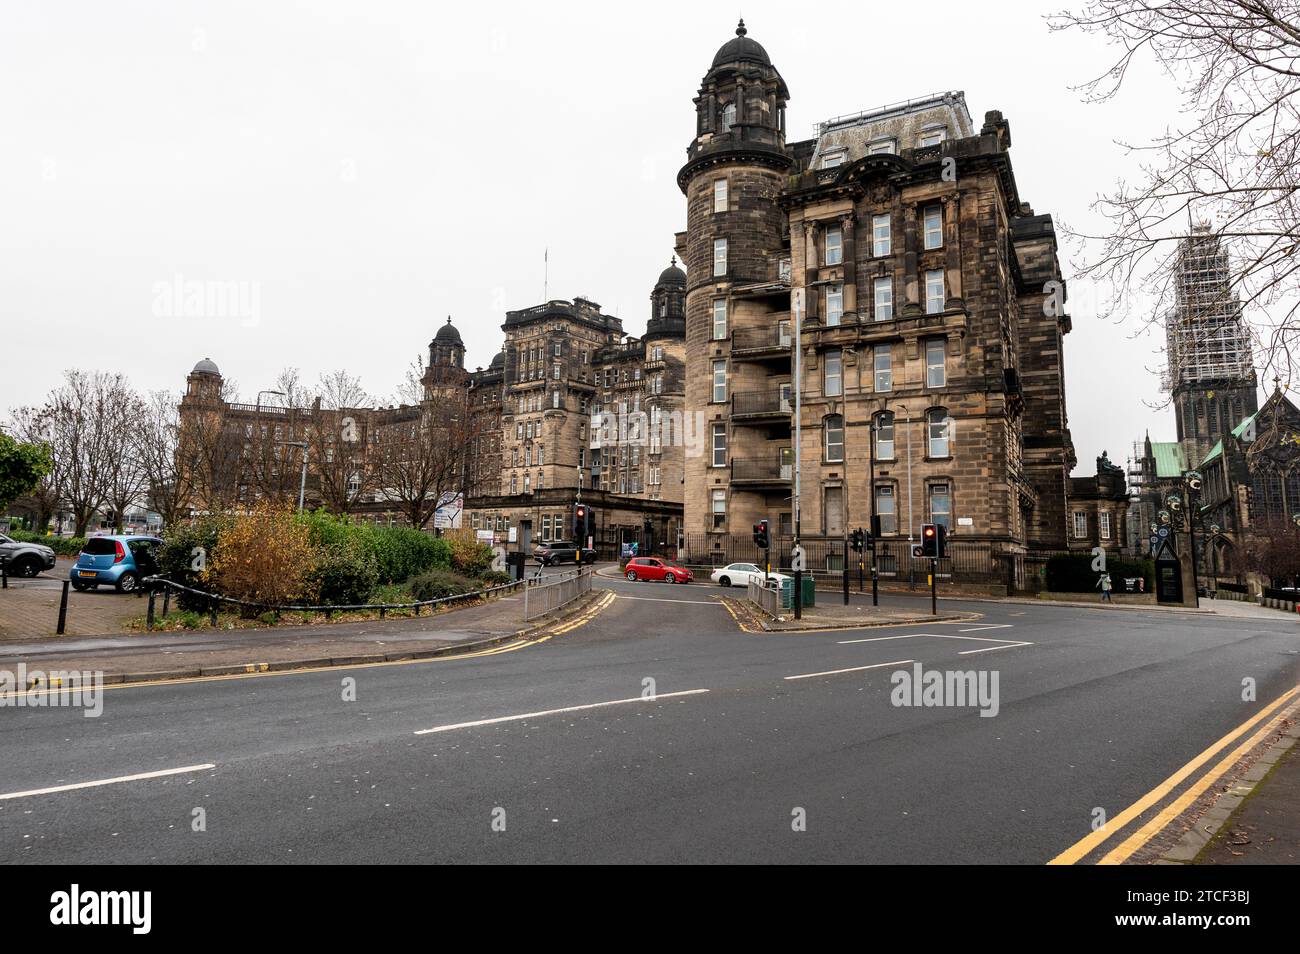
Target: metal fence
{"points": [[767, 598], [544, 595], [967, 562]]}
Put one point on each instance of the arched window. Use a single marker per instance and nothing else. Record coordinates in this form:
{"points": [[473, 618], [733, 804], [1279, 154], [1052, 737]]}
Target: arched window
{"points": [[728, 116], [833, 438], [938, 429]]}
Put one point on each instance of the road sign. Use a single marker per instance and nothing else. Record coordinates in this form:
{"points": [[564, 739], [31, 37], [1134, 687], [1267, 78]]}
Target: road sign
{"points": [[797, 559], [1162, 532]]}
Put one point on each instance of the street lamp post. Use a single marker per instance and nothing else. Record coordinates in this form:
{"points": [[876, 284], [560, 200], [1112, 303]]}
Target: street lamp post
{"points": [[302, 481], [911, 564], [797, 302]]}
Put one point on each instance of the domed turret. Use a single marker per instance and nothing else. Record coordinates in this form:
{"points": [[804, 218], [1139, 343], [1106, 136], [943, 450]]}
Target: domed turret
{"points": [[204, 382], [668, 304], [740, 110], [741, 50], [446, 348]]}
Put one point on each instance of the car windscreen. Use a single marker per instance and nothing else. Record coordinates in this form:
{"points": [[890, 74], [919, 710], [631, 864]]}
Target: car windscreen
{"points": [[99, 546]]}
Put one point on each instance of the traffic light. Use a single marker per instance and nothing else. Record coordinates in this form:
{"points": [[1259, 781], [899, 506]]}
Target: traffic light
{"points": [[929, 540], [875, 525], [760, 535], [857, 540], [581, 518], [941, 541]]}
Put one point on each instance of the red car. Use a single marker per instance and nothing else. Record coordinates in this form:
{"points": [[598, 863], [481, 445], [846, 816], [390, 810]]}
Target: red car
{"points": [[653, 568]]}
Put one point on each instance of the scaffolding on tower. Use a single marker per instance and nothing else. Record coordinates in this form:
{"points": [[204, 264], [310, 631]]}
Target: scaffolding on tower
{"points": [[1205, 335]]}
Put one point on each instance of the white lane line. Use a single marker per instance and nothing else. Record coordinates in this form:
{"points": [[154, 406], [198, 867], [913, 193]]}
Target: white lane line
{"points": [[547, 712], [659, 599], [110, 781], [881, 639], [992, 649], [979, 639], [976, 629], [836, 672]]}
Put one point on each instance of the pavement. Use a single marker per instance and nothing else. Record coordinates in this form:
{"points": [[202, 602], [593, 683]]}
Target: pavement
{"points": [[657, 730], [220, 652], [30, 607]]}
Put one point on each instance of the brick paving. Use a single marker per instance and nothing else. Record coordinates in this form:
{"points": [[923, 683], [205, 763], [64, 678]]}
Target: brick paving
{"points": [[30, 607]]}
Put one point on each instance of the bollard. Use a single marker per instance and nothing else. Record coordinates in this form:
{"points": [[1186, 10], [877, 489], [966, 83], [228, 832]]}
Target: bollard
{"points": [[63, 609], [148, 619], [4, 574]]}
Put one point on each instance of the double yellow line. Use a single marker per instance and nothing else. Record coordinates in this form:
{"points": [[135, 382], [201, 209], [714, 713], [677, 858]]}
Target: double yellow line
{"points": [[586, 617], [1263, 722]]}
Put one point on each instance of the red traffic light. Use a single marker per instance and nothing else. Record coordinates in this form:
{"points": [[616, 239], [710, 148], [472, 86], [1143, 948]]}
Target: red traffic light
{"points": [[928, 530]]}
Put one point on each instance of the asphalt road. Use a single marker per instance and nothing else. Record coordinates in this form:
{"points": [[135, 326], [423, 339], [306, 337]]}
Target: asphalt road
{"points": [[1094, 708]]}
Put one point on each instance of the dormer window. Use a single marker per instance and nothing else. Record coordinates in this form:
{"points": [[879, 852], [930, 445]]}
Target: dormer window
{"points": [[881, 147], [728, 116], [833, 159], [933, 135]]}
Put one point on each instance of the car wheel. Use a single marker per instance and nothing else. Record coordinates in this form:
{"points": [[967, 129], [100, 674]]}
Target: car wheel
{"points": [[631, 576], [670, 578], [127, 582], [25, 567], [724, 581]]}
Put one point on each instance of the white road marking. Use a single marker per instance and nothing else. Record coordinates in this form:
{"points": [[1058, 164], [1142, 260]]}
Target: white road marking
{"points": [[547, 712], [658, 599], [881, 639], [979, 639], [975, 629], [836, 672], [992, 649], [110, 781]]}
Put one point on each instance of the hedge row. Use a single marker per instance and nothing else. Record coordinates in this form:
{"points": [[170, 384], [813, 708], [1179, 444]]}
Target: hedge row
{"points": [[63, 546], [1073, 573], [350, 561]]}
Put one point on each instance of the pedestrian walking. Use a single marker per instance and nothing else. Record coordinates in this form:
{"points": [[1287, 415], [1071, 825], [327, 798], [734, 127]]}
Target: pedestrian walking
{"points": [[1105, 585]]}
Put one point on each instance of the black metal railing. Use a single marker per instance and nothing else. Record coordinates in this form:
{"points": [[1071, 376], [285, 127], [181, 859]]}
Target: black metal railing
{"points": [[766, 401], [772, 338], [759, 468]]}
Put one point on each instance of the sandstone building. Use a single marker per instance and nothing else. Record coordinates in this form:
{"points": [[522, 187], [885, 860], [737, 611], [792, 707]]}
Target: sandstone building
{"points": [[932, 321], [532, 449]]}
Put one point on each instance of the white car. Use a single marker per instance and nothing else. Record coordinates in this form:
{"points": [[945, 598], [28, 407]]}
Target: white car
{"points": [[739, 574]]}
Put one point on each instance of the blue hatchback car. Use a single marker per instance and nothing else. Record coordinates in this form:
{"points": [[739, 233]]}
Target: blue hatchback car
{"points": [[115, 561]]}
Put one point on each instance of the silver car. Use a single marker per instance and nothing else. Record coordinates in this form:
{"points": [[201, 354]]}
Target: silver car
{"points": [[25, 559]]}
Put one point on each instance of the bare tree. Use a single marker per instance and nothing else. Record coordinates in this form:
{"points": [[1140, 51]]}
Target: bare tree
{"points": [[32, 425], [421, 455], [1235, 165], [81, 421], [125, 478], [156, 443], [211, 449], [337, 434], [1273, 551]]}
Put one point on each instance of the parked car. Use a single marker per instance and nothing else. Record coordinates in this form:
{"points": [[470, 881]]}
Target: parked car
{"points": [[549, 554], [119, 561], [739, 574], [25, 559], [653, 568]]}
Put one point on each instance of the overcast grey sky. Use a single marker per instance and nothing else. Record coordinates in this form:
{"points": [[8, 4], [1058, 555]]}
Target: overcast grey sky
{"points": [[367, 168]]}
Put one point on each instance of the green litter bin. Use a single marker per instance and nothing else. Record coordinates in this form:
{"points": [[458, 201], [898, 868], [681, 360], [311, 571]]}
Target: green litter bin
{"points": [[809, 592]]}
